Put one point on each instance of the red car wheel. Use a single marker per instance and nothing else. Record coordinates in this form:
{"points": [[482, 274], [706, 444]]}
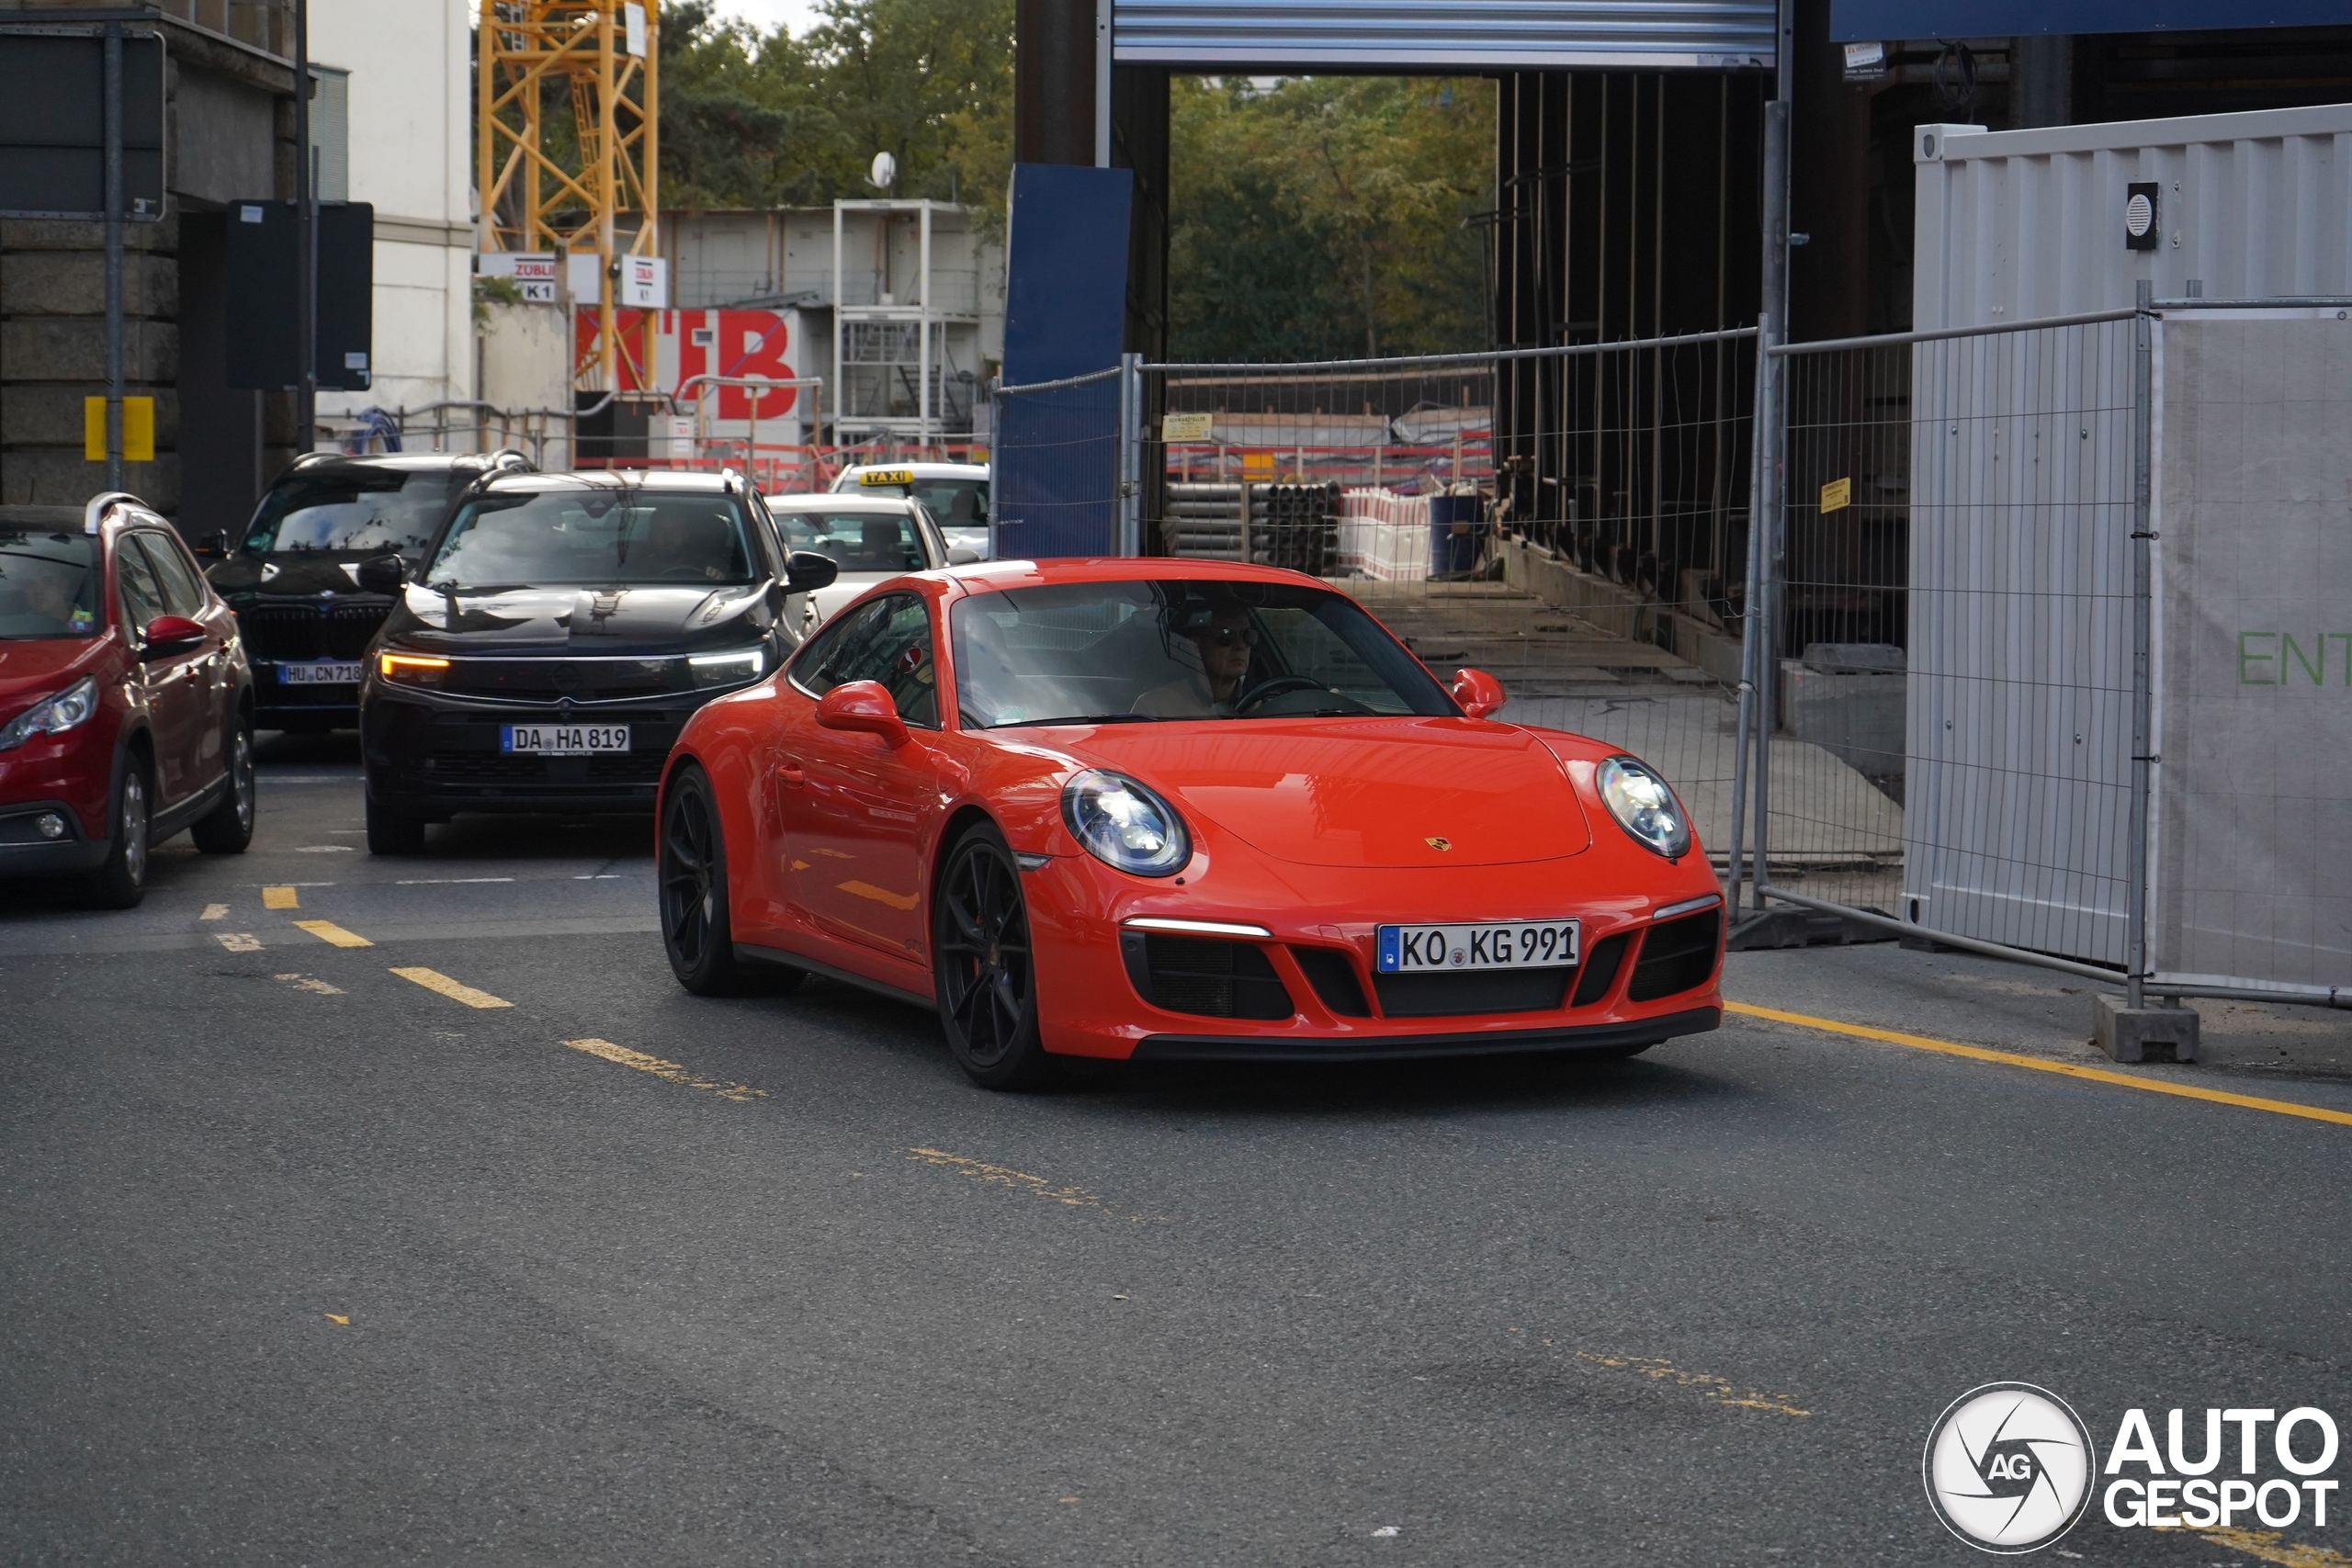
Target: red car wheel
{"points": [[988, 989]]}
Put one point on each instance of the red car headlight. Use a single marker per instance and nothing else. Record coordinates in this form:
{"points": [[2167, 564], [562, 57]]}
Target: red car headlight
{"points": [[1125, 825], [1644, 806], [53, 716]]}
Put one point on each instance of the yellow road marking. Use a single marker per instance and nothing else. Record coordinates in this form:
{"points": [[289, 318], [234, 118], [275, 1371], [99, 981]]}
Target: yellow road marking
{"points": [[331, 1317], [434, 981], [670, 1072], [2039, 1064], [2269, 1546], [1708, 1386], [1020, 1181], [214, 912], [327, 931], [280, 898], [879, 894], [304, 983], [238, 941]]}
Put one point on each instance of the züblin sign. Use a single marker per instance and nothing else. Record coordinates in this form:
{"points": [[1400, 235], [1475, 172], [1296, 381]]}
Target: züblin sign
{"points": [[2009, 1468]]}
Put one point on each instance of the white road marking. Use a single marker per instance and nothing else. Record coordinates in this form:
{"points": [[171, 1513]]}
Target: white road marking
{"points": [[214, 912], [239, 941]]}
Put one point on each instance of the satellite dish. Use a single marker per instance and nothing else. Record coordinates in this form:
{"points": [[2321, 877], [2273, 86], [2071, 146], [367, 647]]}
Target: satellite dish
{"points": [[886, 169]]}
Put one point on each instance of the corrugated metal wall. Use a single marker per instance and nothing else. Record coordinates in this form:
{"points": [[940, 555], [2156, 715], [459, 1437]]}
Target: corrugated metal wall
{"points": [[2015, 225], [1425, 34]]}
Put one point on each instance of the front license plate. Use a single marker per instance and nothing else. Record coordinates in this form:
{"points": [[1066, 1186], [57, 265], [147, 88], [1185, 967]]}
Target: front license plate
{"points": [[1497, 944], [320, 673], [562, 739]]}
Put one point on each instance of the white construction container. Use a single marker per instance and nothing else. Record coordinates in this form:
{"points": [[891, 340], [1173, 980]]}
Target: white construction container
{"points": [[2018, 694], [2013, 224]]}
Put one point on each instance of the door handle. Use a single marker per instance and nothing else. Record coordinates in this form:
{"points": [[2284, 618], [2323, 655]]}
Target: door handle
{"points": [[791, 773]]}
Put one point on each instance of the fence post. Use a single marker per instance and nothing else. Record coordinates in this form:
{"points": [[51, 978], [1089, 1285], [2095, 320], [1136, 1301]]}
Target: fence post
{"points": [[1130, 513], [1739, 765], [2143, 687]]}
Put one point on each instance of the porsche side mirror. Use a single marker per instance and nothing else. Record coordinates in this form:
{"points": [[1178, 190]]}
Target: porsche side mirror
{"points": [[1479, 694], [382, 574], [961, 554], [862, 706], [168, 634], [805, 571]]}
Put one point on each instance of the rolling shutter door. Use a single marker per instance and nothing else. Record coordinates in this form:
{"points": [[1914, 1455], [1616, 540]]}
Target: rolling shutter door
{"points": [[1420, 34]]}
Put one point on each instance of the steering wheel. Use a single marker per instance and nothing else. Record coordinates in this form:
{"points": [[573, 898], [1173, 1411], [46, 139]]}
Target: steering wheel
{"points": [[1275, 687]]}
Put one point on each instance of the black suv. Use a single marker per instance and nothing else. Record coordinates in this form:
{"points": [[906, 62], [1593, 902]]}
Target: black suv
{"points": [[561, 632], [293, 579]]}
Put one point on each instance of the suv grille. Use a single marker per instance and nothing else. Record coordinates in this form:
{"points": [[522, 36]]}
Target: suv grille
{"points": [[324, 630], [1676, 956], [1204, 977], [546, 680]]}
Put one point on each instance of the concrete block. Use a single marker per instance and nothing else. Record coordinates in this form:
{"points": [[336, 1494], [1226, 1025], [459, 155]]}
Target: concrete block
{"points": [[48, 477], [1856, 718], [73, 283], [51, 349], [2144, 1034]]}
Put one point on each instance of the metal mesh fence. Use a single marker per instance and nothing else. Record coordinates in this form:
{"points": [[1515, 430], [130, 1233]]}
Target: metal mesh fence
{"points": [[1952, 635], [1587, 551], [1055, 468]]}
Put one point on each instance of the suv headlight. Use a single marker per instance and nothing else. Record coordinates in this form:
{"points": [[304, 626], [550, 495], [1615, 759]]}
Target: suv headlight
{"points": [[53, 716], [1126, 825], [1644, 806], [412, 669], [728, 669]]}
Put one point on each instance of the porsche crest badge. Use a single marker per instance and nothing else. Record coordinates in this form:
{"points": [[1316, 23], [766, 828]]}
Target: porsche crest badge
{"points": [[1441, 845]]}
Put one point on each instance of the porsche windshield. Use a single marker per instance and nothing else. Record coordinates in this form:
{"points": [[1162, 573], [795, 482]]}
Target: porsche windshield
{"points": [[1133, 652], [603, 538]]}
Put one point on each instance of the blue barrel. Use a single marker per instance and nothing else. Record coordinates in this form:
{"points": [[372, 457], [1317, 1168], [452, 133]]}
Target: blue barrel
{"points": [[1457, 528]]}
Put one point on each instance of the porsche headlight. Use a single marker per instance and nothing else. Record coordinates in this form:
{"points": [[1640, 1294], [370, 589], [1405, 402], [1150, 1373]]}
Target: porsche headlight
{"points": [[730, 668], [53, 716], [1644, 806], [1126, 825]]}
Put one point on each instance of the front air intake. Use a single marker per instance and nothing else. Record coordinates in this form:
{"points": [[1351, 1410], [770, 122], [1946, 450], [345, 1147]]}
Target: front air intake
{"points": [[1204, 977], [1677, 956]]}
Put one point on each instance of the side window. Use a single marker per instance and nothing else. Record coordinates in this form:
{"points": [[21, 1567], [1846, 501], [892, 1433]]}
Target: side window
{"points": [[182, 589], [888, 640], [143, 595]]}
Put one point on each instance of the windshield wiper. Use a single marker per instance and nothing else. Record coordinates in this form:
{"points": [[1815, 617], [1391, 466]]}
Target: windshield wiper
{"points": [[1079, 719]]}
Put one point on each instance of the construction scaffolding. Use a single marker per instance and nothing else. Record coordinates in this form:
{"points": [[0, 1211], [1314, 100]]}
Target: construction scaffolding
{"points": [[584, 185]]}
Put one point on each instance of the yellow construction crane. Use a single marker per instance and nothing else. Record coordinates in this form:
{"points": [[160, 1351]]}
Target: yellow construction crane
{"points": [[602, 193]]}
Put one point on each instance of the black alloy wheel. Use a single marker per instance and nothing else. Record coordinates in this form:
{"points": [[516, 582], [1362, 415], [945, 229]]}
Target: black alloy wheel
{"points": [[981, 961], [228, 828], [696, 930]]}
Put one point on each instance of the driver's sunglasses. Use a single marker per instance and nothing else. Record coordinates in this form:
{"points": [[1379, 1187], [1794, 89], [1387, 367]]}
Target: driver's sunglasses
{"points": [[1231, 636]]}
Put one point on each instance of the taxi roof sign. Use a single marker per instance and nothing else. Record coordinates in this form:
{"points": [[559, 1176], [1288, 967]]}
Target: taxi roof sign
{"points": [[886, 477]]}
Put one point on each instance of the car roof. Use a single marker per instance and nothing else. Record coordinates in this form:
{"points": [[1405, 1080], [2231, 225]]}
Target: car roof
{"points": [[995, 574], [672, 481], [922, 471], [396, 462], [849, 501]]}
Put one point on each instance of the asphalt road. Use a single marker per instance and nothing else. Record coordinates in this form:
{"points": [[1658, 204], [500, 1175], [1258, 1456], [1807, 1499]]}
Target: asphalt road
{"points": [[305, 1261]]}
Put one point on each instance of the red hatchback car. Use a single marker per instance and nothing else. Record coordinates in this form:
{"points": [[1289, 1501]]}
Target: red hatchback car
{"points": [[126, 704], [1164, 809]]}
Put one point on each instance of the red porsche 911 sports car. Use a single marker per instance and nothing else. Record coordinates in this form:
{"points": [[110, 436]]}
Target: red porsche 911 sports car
{"points": [[1154, 810]]}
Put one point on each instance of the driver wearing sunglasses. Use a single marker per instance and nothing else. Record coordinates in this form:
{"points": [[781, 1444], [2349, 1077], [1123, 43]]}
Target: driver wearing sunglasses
{"points": [[1220, 638]]}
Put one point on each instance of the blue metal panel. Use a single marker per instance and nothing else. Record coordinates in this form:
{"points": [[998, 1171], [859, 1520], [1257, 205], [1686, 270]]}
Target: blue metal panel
{"points": [[1055, 455], [1420, 34], [1853, 21]]}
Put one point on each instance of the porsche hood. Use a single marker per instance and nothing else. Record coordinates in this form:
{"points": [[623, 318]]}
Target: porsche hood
{"points": [[1385, 792]]}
